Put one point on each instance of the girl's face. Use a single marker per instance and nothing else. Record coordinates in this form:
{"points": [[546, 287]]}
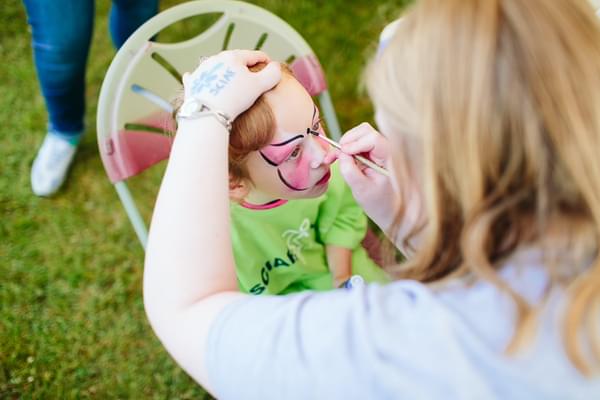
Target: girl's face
{"points": [[292, 166]]}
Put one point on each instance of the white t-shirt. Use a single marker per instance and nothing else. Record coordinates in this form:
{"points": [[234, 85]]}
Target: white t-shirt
{"points": [[404, 340]]}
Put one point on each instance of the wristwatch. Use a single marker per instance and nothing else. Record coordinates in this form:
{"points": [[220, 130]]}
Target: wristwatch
{"points": [[194, 109]]}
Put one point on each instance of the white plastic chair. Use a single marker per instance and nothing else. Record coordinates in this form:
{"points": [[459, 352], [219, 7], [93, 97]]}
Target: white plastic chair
{"points": [[134, 106]]}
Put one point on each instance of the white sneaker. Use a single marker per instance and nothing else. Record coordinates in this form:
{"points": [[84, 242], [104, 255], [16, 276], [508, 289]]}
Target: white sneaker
{"points": [[51, 165]]}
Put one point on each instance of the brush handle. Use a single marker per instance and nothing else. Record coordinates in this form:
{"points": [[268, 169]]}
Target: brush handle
{"points": [[362, 159], [371, 165]]}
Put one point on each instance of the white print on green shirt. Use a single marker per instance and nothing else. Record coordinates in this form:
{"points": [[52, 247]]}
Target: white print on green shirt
{"points": [[294, 238], [295, 244]]}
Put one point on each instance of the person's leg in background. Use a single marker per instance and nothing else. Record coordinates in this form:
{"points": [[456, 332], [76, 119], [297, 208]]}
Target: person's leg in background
{"points": [[127, 15], [61, 34]]}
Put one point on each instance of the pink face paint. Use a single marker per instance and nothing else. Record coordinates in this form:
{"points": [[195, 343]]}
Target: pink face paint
{"points": [[293, 173], [267, 206], [276, 153], [296, 174]]}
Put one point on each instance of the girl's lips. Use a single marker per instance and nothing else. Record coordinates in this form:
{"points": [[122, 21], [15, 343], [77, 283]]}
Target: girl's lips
{"points": [[324, 179]]}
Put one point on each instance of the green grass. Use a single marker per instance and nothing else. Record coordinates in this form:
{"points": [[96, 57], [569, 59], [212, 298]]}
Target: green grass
{"points": [[72, 323]]}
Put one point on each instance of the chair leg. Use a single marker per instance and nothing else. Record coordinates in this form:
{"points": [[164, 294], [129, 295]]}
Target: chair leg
{"points": [[332, 123], [132, 212]]}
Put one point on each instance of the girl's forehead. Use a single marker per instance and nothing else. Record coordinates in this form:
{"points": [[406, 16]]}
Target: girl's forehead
{"points": [[297, 125], [291, 105]]}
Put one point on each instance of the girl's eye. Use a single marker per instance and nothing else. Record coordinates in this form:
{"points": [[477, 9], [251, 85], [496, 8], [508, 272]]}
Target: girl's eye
{"points": [[294, 154], [316, 126]]}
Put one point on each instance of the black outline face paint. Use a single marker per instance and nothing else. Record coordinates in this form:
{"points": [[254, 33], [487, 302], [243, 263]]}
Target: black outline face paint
{"points": [[287, 184], [272, 163], [288, 141], [267, 159]]}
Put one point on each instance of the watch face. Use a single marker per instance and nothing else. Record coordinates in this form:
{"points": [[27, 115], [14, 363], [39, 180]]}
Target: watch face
{"points": [[189, 107]]}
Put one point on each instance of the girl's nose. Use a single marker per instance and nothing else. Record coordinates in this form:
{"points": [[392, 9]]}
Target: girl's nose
{"points": [[323, 154], [331, 156]]}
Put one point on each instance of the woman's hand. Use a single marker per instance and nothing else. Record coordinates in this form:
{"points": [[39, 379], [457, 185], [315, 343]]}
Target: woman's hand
{"points": [[224, 83], [372, 190]]}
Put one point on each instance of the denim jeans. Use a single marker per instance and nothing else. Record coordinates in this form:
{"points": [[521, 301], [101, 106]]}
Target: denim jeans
{"points": [[61, 36]]}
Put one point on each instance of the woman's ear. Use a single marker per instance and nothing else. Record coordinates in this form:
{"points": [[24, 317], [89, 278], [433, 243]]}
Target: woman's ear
{"points": [[238, 188]]}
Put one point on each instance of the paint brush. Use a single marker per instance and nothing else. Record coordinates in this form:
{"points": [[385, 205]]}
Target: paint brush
{"points": [[362, 159]]}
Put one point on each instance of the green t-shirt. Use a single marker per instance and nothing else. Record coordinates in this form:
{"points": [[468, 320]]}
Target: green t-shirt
{"points": [[282, 249]]}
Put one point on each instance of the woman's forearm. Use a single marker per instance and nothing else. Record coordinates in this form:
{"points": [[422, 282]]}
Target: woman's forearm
{"points": [[189, 250], [189, 272]]}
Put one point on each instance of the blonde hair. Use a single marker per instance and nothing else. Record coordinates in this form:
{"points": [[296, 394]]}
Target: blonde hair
{"points": [[504, 97], [251, 130]]}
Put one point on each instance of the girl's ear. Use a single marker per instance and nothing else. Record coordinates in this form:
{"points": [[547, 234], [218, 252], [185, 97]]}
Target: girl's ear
{"points": [[238, 189]]}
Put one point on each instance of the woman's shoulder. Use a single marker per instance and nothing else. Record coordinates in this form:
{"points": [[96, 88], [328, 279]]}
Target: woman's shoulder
{"points": [[403, 337]]}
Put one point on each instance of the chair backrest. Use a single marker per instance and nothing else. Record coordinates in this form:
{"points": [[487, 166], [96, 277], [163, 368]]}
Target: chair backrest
{"points": [[134, 109], [144, 76]]}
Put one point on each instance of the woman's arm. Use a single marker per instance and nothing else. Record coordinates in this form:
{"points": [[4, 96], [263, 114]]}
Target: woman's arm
{"points": [[189, 273]]}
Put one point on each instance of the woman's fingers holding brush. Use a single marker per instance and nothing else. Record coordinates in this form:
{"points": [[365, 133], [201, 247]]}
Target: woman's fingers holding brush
{"points": [[372, 190], [364, 140]]}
